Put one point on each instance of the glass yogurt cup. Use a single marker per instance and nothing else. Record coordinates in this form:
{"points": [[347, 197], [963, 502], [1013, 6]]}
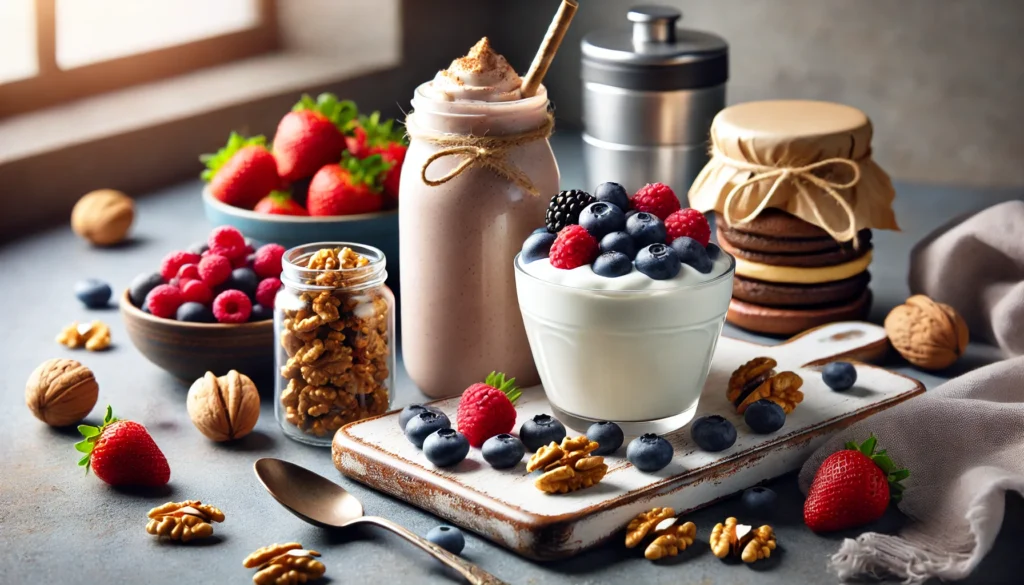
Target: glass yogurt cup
{"points": [[630, 350]]}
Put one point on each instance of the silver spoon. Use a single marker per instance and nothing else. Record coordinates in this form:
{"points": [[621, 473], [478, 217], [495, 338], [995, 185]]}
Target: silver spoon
{"points": [[323, 503]]}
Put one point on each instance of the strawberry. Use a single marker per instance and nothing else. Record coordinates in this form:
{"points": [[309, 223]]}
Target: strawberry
{"points": [[351, 187], [121, 452], [852, 488], [488, 409], [370, 136], [279, 203], [242, 172], [312, 135], [394, 153]]}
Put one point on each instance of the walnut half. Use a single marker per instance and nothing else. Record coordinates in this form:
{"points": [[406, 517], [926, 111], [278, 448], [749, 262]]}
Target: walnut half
{"points": [[183, 521], [733, 538], [671, 537], [757, 380], [284, 564], [567, 467]]}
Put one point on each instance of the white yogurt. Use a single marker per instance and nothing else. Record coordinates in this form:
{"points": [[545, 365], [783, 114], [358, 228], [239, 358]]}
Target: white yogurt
{"points": [[629, 349]]}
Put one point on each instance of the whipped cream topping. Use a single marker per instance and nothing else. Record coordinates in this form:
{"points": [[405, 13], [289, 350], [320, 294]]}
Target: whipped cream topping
{"points": [[584, 276], [482, 75]]}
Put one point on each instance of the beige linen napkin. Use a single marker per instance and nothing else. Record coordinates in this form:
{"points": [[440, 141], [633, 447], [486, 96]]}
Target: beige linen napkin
{"points": [[963, 443], [977, 267]]}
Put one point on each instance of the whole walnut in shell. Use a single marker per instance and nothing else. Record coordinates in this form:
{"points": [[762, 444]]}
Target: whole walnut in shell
{"points": [[61, 392], [929, 334], [224, 408], [103, 217]]}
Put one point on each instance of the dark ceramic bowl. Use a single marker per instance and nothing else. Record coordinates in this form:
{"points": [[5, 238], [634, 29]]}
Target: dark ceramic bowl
{"points": [[189, 350]]}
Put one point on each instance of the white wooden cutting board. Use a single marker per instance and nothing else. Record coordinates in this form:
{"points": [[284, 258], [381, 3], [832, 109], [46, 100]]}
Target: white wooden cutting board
{"points": [[504, 506]]}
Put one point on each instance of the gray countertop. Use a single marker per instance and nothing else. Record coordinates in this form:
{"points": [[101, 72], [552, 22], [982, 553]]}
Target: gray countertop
{"points": [[58, 526]]}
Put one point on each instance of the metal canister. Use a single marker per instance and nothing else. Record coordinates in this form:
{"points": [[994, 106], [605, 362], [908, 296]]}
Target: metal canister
{"points": [[649, 96]]}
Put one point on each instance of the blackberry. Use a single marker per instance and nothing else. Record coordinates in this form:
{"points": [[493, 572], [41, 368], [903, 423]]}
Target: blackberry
{"points": [[565, 209]]}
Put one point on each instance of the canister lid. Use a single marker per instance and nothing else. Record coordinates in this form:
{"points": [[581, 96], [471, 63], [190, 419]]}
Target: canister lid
{"points": [[654, 54]]}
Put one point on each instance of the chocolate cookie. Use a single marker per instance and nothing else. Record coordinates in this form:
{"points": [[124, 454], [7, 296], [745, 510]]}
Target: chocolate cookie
{"points": [[838, 255], [783, 321], [776, 223], [784, 245], [773, 294]]}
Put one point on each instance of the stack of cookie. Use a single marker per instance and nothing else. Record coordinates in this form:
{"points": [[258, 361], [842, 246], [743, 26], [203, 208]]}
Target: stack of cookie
{"points": [[792, 275]]}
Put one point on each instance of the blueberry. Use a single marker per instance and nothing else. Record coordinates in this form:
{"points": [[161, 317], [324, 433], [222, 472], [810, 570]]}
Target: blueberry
{"points": [[199, 248], [713, 433], [649, 452], [423, 424], [613, 193], [261, 313], [713, 251], [619, 242], [607, 435], [839, 376], [646, 229], [537, 246], [612, 265], [540, 230], [759, 501], [764, 417], [141, 285], [445, 447], [541, 430], [691, 252], [658, 261], [601, 218], [412, 410], [503, 451], [93, 293], [631, 213], [195, 313], [449, 538], [243, 279]]}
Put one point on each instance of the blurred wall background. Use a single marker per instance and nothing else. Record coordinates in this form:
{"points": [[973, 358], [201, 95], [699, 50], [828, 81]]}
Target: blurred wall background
{"points": [[943, 80]]}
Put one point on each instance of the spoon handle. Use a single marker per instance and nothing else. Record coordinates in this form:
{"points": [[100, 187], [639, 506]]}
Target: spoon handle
{"points": [[471, 572]]}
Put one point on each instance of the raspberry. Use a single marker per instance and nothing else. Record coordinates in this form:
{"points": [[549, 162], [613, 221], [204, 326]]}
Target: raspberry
{"points": [[188, 272], [227, 241], [197, 292], [268, 261], [232, 306], [174, 261], [657, 199], [163, 301], [214, 269], [267, 290], [688, 222], [573, 247]]}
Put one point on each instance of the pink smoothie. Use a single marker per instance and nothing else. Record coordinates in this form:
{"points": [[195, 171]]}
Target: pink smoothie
{"points": [[460, 314]]}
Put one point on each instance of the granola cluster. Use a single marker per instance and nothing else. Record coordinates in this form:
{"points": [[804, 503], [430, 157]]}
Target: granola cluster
{"points": [[337, 346]]}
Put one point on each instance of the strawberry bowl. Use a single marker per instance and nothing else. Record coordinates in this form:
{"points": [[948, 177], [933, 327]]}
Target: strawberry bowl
{"points": [[378, 229]]}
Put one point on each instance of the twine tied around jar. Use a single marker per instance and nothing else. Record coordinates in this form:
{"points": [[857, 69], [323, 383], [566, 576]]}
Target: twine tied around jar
{"points": [[796, 175], [489, 152]]}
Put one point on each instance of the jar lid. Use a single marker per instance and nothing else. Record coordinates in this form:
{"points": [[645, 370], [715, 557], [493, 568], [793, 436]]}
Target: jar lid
{"points": [[654, 54], [808, 158]]}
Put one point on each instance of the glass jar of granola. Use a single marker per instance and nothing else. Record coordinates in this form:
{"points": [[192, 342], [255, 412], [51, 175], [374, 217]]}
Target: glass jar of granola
{"points": [[334, 319]]}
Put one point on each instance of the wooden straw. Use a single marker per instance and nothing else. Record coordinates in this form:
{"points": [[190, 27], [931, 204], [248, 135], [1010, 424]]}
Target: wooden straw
{"points": [[548, 47]]}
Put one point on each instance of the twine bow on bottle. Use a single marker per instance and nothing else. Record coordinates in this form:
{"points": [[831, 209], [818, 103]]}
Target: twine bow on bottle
{"points": [[799, 177], [489, 152]]}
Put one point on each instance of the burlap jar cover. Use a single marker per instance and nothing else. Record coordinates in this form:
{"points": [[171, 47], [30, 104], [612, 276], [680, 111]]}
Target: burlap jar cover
{"points": [[811, 159]]}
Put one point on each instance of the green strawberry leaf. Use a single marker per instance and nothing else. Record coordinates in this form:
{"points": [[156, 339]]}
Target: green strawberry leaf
{"points": [[379, 133], [893, 474], [868, 447], [368, 171], [899, 475], [85, 446], [218, 159], [84, 462], [92, 434], [88, 430], [506, 386], [341, 113]]}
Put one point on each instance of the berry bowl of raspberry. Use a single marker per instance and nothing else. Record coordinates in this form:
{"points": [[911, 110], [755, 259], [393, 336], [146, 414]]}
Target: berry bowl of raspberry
{"points": [[207, 308], [623, 299]]}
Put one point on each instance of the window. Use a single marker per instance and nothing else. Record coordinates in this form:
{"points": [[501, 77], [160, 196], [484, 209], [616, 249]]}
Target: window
{"points": [[57, 50]]}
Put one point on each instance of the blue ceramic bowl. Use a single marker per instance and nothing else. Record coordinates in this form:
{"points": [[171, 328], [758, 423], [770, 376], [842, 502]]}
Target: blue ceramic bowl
{"points": [[379, 229]]}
